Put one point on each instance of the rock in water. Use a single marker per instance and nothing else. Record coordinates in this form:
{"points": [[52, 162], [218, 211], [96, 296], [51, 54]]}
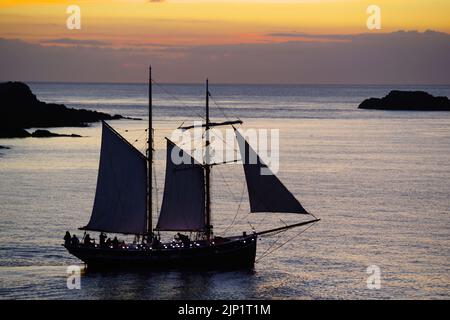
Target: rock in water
{"points": [[407, 100], [11, 132], [20, 109], [47, 134]]}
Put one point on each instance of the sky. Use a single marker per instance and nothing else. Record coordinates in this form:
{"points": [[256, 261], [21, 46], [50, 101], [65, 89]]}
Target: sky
{"points": [[246, 41]]}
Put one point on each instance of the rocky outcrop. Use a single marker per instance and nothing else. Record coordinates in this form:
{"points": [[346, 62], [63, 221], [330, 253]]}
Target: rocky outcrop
{"points": [[20, 109], [407, 100], [47, 134]]}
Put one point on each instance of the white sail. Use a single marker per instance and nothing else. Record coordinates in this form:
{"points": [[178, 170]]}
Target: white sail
{"points": [[266, 192], [183, 205], [121, 198]]}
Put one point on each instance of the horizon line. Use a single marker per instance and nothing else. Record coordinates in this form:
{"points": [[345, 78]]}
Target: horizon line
{"points": [[229, 83]]}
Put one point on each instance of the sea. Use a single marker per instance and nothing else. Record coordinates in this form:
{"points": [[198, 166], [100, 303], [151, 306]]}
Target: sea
{"points": [[378, 180]]}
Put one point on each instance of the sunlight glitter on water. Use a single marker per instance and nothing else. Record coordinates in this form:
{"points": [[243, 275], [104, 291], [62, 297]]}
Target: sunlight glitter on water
{"points": [[380, 185]]}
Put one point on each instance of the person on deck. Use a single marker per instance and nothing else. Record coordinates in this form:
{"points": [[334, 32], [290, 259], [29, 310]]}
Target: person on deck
{"points": [[87, 240], [75, 241], [115, 243], [102, 239], [184, 239], [67, 238], [156, 243]]}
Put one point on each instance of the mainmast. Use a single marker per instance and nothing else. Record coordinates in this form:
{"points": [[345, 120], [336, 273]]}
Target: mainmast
{"points": [[149, 156], [207, 170]]}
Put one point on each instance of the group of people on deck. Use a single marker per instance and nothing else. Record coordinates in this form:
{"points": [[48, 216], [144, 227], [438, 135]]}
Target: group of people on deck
{"points": [[71, 240], [105, 242]]}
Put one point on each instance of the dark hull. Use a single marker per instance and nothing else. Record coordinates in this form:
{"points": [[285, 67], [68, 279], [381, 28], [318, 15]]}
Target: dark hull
{"points": [[234, 253]]}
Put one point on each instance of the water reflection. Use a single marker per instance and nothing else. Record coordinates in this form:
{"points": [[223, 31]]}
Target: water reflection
{"points": [[140, 284]]}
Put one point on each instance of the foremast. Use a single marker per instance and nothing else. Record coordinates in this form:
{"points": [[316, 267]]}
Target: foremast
{"points": [[149, 158], [207, 167]]}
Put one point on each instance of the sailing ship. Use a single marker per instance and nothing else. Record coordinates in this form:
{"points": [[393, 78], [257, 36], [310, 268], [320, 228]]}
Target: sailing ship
{"points": [[123, 205]]}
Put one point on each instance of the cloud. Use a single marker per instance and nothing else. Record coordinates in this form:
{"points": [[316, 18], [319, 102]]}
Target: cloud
{"points": [[382, 58], [353, 37], [70, 41], [311, 36]]}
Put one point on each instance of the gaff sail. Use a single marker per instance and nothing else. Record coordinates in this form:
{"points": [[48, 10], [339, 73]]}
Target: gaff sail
{"points": [[120, 204], [183, 205]]}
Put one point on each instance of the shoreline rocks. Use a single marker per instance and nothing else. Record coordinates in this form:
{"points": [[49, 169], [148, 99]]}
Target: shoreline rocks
{"points": [[408, 101], [47, 134], [20, 109]]}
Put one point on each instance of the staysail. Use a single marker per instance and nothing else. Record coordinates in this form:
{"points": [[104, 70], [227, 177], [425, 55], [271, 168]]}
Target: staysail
{"points": [[266, 192], [120, 203], [183, 205]]}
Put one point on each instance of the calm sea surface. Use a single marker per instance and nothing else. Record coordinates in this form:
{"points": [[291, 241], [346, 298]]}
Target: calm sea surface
{"points": [[380, 182]]}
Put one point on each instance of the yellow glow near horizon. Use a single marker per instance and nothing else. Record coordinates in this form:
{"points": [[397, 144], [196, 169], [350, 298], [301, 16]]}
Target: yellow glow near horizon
{"points": [[128, 22]]}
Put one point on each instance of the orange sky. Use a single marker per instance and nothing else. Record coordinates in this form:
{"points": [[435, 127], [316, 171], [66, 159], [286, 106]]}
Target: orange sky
{"points": [[190, 22], [251, 41]]}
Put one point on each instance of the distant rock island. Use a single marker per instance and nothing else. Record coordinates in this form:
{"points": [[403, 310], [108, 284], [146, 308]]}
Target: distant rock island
{"points": [[47, 134], [20, 109], [407, 100]]}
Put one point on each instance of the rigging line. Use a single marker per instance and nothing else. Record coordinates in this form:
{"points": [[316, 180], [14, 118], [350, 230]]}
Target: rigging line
{"points": [[198, 144], [268, 235], [130, 130], [290, 239], [225, 181], [221, 109], [226, 144], [195, 145], [191, 141], [175, 98], [285, 224], [271, 245], [261, 222], [218, 107], [156, 188], [219, 137], [237, 211], [138, 138]]}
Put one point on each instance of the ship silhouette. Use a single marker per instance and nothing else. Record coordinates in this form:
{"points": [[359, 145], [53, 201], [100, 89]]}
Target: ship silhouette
{"points": [[123, 205]]}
